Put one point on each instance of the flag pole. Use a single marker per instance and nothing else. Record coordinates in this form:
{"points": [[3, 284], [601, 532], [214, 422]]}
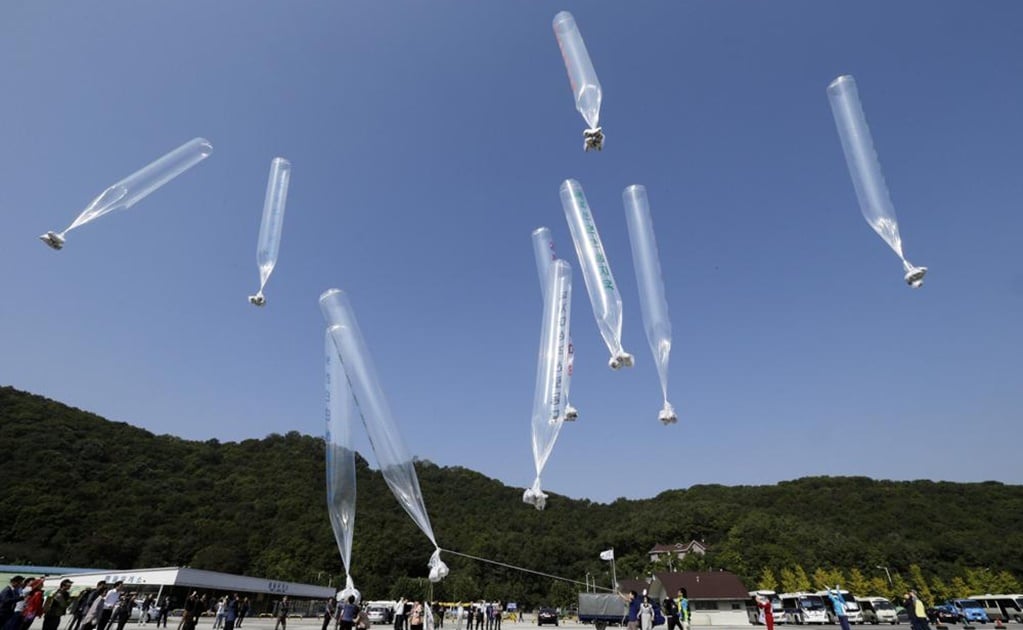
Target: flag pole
{"points": [[614, 575]]}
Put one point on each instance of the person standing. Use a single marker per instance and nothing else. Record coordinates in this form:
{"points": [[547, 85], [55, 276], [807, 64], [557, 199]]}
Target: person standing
{"points": [[56, 605], [838, 603], [670, 610], [349, 614], [415, 620], [110, 601], [95, 611], [9, 597], [632, 616], [683, 608], [766, 610], [646, 614], [230, 611], [328, 610], [33, 603], [498, 611], [283, 608], [243, 610], [399, 614]]}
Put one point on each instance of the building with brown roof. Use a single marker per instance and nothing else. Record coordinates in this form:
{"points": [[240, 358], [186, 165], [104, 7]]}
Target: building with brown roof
{"points": [[677, 550], [715, 597]]}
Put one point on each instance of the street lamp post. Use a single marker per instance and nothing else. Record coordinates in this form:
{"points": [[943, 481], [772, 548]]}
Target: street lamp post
{"points": [[886, 572]]}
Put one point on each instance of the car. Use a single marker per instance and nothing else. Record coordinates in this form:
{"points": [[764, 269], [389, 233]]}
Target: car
{"points": [[547, 615], [877, 610], [969, 610], [378, 614], [901, 615], [943, 614]]}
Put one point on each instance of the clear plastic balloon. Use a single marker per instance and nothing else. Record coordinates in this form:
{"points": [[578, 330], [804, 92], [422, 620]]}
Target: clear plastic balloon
{"points": [[132, 189], [393, 457], [273, 221], [341, 414], [543, 250], [865, 170], [549, 398], [651, 287], [581, 76], [596, 269]]}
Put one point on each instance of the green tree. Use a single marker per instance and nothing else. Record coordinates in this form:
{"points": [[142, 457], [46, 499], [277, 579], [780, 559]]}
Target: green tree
{"points": [[794, 579], [767, 581], [857, 583], [919, 584], [940, 590], [1005, 582], [959, 587], [898, 587]]}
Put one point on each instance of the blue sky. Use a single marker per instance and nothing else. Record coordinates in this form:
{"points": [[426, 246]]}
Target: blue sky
{"points": [[428, 139]]}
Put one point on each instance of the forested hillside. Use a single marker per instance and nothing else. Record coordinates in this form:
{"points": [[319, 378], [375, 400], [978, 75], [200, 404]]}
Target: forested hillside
{"points": [[79, 490]]}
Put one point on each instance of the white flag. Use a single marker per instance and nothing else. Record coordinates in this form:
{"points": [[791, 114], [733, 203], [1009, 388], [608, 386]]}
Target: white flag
{"points": [[608, 555]]}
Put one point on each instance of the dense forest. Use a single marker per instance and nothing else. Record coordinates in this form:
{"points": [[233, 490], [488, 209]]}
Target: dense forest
{"points": [[82, 491]]}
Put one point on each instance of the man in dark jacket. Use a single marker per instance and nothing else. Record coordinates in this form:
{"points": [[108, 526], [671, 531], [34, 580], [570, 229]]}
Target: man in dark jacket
{"points": [[10, 596]]}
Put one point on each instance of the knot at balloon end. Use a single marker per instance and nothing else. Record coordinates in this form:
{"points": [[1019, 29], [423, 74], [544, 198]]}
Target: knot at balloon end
{"points": [[257, 299], [349, 591], [593, 139], [52, 239], [620, 360], [438, 570], [667, 415], [571, 413], [915, 276], [535, 496]]}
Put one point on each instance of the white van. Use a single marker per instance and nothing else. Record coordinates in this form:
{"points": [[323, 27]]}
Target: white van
{"points": [[803, 608], [877, 610], [852, 607]]}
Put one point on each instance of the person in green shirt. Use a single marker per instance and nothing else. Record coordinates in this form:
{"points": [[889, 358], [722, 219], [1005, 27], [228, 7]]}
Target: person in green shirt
{"points": [[682, 601]]}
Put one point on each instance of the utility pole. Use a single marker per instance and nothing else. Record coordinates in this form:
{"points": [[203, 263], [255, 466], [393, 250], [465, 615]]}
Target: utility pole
{"points": [[886, 572]]}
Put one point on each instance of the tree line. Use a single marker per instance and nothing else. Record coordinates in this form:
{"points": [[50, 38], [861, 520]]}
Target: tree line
{"points": [[87, 492]]}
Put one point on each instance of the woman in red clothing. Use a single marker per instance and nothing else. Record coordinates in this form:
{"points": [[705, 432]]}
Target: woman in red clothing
{"points": [[764, 603]]}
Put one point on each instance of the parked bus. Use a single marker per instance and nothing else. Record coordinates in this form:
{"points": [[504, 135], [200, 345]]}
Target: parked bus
{"points": [[1004, 607], [803, 608]]}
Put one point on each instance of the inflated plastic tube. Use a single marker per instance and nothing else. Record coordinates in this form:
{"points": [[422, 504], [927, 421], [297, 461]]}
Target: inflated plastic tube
{"points": [[581, 76], [596, 269], [543, 251], [135, 187], [652, 302], [393, 457], [272, 224], [551, 367], [341, 488], [865, 170]]}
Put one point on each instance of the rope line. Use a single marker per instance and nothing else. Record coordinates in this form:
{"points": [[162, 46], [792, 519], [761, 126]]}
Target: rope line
{"points": [[516, 568]]}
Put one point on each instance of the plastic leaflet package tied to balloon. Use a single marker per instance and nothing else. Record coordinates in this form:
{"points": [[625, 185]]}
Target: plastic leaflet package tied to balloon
{"points": [[341, 489], [552, 364], [132, 189], [273, 221], [349, 591], [543, 251], [582, 77], [596, 269], [652, 302], [395, 463], [865, 170]]}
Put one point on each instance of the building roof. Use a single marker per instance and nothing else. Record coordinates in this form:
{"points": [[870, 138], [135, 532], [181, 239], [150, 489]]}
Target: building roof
{"points": [[677, 547], [194, 578], [700, 585], [638, 585]]}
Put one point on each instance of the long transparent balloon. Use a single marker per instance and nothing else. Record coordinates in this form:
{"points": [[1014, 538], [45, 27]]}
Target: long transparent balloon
{"points": [[135, 187], [865, 170], [341, 414], [273, 220], [543, 251], [581, 76], [651, 287], [550, 397], [395, 463], [600, 282]]}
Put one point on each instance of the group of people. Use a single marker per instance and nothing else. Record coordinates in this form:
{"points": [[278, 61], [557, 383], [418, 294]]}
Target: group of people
{"points": [[482, 615], [345, 613], [641, 613], [22, 601]]}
